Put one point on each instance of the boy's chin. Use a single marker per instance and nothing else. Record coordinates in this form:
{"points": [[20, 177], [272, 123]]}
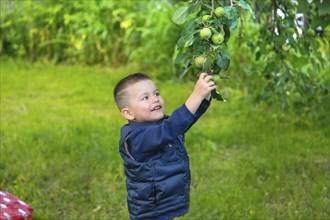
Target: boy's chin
{"points": [[159, 117]]}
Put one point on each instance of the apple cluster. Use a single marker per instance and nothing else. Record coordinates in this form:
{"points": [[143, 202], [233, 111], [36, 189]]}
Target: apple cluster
{"points": [[205, 33]]}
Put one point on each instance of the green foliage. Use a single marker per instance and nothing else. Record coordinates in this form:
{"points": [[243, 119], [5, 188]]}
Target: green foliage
{"points": [[205, 34], [295, 57], [157, 37], [90, 32], [295, 66], [264, 53], [59, 149]]}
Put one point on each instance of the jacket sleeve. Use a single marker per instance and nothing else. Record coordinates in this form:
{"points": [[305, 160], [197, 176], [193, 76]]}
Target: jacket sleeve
{"points": [[148, 139], [201, 110]]}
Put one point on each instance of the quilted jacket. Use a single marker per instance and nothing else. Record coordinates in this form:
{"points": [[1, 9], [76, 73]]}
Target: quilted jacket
{"points": [[156, 165]]}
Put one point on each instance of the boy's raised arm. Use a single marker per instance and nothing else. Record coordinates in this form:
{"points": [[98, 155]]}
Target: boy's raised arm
{"points": [[202, 90], [148, 139]]}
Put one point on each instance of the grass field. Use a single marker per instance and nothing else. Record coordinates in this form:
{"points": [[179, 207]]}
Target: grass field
{"points": [[59, 149]]}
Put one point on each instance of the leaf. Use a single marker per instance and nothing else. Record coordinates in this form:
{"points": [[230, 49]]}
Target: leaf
{"points": [[223, 60], [190, 41], [217, 96], [233, 25], [184, 71], [223, 76], [207, 64], [190, 27], [323, 8], [301, 61], [257, 55], [231, 12], [54, 41], [303, 6], [186, 40], [279, 40], [180, 15], [194, 7], [182, 58], [227, 33], [245, 5], [270, 67]]}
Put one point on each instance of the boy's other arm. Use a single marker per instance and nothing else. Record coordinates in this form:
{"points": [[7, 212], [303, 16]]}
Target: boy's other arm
{"points": [[202, 90]]}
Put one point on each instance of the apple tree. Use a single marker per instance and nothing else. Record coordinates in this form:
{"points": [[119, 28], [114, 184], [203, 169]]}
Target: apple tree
{"points": [[288, 41], [202, 45], [292, 41]]}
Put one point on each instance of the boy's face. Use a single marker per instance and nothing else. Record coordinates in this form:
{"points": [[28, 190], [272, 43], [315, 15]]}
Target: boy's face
{"points": [[145, 102]]}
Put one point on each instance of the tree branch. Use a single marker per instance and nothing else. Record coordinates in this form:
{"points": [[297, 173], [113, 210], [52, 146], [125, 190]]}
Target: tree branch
{"points": [[212, 10]]}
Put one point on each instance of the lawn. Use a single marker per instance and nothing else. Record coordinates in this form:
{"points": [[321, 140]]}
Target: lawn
{"points": [[59, 149]]}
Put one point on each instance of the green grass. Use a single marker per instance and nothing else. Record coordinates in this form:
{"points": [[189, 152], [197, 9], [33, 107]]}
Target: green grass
{"points": [[59, 149]]}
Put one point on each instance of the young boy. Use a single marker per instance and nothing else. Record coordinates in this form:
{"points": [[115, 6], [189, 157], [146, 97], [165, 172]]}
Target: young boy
{"points": [[152, 146]]}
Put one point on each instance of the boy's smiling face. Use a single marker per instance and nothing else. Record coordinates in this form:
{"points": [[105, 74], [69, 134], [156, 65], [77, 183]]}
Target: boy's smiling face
{"points": [[145, 102]]}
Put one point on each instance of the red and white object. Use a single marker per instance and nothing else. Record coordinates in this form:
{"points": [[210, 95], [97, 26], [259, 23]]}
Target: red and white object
{"points": [[12, 208]]}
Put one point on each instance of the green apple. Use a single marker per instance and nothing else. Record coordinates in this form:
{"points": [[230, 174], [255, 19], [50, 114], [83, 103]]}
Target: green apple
{"points": [[216, 79], [219, 12], [271, 55], [199, 61], [205, 33], [205, 18], [291, 30], [269, 47], [217, 38], [310, 32]]}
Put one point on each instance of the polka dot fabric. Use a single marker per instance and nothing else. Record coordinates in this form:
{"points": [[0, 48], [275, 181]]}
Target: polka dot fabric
{"points": [[12, 208]]}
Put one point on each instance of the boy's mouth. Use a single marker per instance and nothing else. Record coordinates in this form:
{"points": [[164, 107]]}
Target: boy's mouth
{"points": [[156, 108]]}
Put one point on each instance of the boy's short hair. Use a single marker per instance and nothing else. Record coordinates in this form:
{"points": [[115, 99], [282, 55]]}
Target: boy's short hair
{"points": [[120, 95]]}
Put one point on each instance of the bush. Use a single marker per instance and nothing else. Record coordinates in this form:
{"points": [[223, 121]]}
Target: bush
{"points": [[90, 32]]}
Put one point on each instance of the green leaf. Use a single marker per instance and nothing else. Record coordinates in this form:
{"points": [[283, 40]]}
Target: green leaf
{"points": [[184, 71], [190, 41], [181, 42], [194, 6], [180, 15], [217, 96], [231, 12], [54, 41], [303, 6], [323, 7], [270, 67], [223, 60], [233, 25], [207, 64], [227, 33], [279, 40], [186, 40], [182, 58], [301, 61], [223, 76], [245, 5], [190, 27]]}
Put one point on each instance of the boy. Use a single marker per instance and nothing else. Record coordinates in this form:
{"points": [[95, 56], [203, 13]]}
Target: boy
{"points": [[156, 162]]}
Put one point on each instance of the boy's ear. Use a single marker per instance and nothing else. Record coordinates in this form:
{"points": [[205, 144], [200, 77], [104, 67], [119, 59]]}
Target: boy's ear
{"points": [[127, 114]]}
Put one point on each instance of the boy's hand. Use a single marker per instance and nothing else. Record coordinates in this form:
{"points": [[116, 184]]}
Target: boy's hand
{"points": [[202, 90], [204, 86]]}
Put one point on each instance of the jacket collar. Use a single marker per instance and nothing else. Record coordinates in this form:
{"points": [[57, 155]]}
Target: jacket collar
{"points": [[136, 124]]}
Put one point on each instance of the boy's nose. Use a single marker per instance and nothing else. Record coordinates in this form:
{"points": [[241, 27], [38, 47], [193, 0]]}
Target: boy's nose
{"points": [[156, 99]]}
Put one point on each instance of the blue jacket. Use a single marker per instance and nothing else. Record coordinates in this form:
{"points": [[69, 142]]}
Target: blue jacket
{"points": [[156, 165]]}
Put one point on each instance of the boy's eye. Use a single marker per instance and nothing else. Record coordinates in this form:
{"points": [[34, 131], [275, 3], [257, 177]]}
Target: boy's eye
{"points": [[145, 98], [157, 93]]}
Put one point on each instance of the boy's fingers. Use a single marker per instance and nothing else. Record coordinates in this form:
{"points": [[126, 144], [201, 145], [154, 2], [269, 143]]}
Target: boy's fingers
{"points": [[214, 87], [202, 76], [212, 83], [208, 78]]}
